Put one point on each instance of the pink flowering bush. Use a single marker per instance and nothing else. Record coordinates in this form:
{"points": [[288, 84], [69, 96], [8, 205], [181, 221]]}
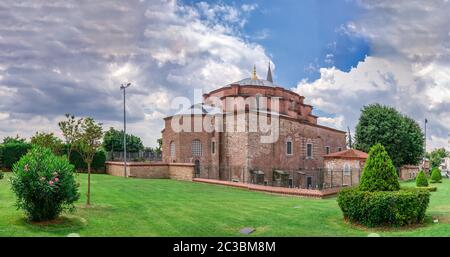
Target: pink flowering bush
{"points": [[44, 184]]}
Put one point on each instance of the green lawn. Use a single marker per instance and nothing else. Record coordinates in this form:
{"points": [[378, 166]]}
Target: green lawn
{"points": [[140, 207]]}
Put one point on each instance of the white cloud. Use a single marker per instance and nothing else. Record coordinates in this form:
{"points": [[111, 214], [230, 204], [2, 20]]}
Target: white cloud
{"points": [[78, 55], [408, 68]]}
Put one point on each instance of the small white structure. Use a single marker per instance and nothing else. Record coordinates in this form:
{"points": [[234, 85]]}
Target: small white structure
{"points": [[445, 164]]}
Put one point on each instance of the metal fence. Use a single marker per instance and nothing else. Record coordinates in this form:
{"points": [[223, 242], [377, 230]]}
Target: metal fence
{"points": [[303, 178], [136, 156]]}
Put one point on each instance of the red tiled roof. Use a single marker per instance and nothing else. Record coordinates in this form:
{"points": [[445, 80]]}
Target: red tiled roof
{"points": [[348, 154]]}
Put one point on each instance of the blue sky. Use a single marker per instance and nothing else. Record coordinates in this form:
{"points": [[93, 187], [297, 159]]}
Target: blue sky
{"points": [[298, 36]]}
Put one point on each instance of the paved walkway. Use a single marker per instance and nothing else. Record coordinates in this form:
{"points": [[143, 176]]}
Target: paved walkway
{"points": [[275, 190]]}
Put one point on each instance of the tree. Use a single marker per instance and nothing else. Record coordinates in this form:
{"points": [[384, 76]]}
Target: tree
{"points": [[113, 141], [436, 157], [88, 142], [421, 179], [400, 135], [158, 149], [13, 140], [47, 140], [379, 173], [436, 176], [70, 130]]}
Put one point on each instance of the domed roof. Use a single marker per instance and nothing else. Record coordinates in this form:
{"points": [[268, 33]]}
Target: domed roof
{"points": [[254, 82]]}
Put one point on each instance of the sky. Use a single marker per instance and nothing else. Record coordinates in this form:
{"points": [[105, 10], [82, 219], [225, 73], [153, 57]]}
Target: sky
{"points": [[60, 57]]}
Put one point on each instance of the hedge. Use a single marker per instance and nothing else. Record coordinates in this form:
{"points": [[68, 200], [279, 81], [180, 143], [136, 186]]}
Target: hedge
{"points": [[379, 208], [10, 153], [429, 188]]}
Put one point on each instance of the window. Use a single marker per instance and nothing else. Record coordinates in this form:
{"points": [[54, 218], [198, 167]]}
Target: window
{"points": [[196, 148], [289, 147], [339, 149], [327, 150], [293, 104], [346, 169], [329, 168], [172, 149], [309, 151], [213, 147]]}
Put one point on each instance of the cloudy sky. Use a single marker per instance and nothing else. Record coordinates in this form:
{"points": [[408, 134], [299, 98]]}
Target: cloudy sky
{"points": [[71, 56]]}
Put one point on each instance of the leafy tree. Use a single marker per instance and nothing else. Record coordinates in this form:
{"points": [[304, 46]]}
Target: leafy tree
{"points": [[70, 130], [47, 140], [421, 179], [379, 173], [399, 134], [113, 141], [436, 176], [436, 157], [88, 142], [158, 149], [16, 139]]}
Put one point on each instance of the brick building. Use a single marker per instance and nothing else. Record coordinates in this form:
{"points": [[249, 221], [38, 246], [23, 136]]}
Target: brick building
{"points": [[344, 168], [293, 159]]}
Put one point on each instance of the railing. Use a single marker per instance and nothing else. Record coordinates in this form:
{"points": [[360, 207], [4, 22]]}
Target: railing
{"points": [[136, 156], [305, 179]]}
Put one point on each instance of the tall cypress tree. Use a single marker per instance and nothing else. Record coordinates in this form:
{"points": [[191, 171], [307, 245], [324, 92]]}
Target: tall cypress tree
{"points": [[379, 173]]}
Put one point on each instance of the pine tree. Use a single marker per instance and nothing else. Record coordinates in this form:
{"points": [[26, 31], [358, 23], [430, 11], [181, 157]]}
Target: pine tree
{"points": [[379, 173], [421, 179]]}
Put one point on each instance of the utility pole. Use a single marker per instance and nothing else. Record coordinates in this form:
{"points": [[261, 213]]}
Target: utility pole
{"points": [[425, 143], [349, 138], [123, 87]]}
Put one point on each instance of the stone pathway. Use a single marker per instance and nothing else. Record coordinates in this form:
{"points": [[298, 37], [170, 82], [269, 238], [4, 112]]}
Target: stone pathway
{"points": [[275, 190]]}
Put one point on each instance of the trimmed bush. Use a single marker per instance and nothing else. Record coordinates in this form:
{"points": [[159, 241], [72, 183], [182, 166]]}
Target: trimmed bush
{"points": [[44, 184], [429, 188], [12, 152], [421, 179], [379, 208], [379, 173], [436, 176], [1, 175]]}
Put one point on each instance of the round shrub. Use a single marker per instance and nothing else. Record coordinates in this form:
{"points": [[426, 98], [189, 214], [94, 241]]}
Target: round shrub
{"points": [[1, 175], [436, 176], [379, 173], [379, 208], [44, 184], [421, 179]]}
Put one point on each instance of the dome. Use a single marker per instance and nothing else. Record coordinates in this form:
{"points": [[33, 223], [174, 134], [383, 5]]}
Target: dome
{"points": [[254, 82]]}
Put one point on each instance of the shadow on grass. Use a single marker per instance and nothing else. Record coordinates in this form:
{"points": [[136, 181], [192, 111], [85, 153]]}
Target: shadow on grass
{"points": [[61, 226]]}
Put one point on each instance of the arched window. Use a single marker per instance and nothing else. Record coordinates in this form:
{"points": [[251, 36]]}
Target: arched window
{"points": [[289, 146], [329, 168], [172, 149], [196, 148], [346, 169]]}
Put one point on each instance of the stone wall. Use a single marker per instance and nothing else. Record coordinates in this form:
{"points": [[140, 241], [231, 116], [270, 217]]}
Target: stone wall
{"points": [[408, 172], [179, 171], [334, 171]]}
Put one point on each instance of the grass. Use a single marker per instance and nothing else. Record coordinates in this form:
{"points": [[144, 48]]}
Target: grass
{"points": [[144, 207]]}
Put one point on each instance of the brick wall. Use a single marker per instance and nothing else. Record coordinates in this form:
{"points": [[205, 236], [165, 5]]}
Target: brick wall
{"points": [[179, 171], [334, 175], [408, 172]]}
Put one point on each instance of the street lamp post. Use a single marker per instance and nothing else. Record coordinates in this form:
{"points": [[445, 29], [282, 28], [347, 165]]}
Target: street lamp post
{"points": [[123, 87], [425, 144]]}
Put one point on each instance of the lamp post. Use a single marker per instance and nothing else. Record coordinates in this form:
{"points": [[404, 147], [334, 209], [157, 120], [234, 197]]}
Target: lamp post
{"points": [[426, 121], [123, 87]]}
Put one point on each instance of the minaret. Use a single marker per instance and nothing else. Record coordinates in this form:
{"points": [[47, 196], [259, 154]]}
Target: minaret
{"points": [[269, 74], [254, 77]]}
